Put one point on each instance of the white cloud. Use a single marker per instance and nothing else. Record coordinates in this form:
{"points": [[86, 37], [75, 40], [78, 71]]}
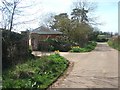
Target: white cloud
{"points": [[107, 15], [104, 0]]}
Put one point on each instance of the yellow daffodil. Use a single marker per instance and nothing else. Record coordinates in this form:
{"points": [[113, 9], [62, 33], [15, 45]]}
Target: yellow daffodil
{"points": [[56, 51]]}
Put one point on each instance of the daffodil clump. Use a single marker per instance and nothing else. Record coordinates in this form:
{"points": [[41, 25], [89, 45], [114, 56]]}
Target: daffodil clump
{"points": [[75, 46], [75, 49], [57, 51]]}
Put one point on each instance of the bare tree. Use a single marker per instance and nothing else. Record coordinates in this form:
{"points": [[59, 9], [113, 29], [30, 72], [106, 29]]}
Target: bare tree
{"points": [[11, 11], [90, 6], [47, 19], [82, 10]]}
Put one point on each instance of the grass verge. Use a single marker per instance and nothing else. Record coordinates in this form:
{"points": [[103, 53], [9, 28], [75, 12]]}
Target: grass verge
{"points": [[39, 73], [114, 42]]}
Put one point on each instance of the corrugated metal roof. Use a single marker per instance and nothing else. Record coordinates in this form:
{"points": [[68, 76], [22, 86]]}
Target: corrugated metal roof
{"points": [[45, 30]]}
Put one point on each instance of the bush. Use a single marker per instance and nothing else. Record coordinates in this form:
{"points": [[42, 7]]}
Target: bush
{"points": [[14, 48], [58, 43], [39, 73]]}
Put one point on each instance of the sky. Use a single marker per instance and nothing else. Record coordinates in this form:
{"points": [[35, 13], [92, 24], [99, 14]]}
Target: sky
{"points": [[106, 13]]}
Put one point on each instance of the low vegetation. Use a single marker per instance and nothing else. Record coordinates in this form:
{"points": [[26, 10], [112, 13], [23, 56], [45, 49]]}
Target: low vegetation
{"points": [[115, 42], [88, 47], [39, 73]]}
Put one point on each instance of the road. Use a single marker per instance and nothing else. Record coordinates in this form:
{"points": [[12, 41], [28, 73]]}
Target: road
{"points": [[96, 69]]}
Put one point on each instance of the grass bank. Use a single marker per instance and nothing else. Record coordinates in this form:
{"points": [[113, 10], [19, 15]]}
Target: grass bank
{"points": [[39, 73], [114, 42]]}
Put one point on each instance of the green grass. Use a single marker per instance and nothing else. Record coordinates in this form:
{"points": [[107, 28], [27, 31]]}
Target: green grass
{"points": [[38, 73], [89, 47], [114, 43]]}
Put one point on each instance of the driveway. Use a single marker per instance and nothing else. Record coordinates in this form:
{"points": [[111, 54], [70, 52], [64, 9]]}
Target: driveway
{"points": [[96, 69]]}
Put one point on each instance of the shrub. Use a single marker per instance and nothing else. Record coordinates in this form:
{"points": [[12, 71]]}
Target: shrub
{"points": [[14, 48], [58, 43]]}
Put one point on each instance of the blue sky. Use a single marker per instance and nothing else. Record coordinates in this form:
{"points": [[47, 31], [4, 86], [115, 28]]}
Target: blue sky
{"points": [[107, 13]]}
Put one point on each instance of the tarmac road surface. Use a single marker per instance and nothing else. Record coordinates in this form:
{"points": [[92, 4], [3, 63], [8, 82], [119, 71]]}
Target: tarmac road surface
{"points": [[96, 69]]}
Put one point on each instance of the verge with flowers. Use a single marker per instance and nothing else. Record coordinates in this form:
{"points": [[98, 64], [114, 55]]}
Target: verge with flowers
{"points": [[89, 47], [36, 74]]}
